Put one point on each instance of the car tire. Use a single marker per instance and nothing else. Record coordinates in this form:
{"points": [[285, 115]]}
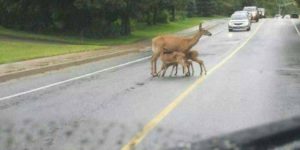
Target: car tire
{"points": [[249, 29]]}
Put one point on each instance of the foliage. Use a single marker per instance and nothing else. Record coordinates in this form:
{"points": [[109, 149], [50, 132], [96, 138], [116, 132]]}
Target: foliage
{"points": [[206, 7], [109, 18], [298, 2], [28, 46]]}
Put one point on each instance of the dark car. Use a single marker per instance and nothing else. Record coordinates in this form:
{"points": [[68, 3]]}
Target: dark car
{"points": [[295, 15], [253, 10], [262, 12]]}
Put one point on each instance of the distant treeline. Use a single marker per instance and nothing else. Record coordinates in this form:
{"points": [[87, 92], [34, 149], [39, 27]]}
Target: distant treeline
{"points": [[102, 18], [298, 2]]}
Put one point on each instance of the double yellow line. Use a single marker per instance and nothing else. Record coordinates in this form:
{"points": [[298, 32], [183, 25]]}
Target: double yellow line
{"points": [[158, 118]]}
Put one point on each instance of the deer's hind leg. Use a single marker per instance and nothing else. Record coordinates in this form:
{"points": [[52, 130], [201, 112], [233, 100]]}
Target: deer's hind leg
{"points": [[191, 67], [201, 64], [205, 71], [161, 70], [185, 67], [164, 72], [175, 67]]}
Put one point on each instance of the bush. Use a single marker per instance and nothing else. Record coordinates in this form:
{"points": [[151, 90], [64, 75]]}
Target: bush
{"points": [[133, 24], [100, 28], [181, 15], [163, 17]]}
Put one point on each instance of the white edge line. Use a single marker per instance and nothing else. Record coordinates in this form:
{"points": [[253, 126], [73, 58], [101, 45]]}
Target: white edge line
{"points": [[296, 27], [73, 79], [58, 64]]}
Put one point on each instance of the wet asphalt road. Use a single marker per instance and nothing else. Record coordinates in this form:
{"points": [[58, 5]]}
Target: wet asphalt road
{"points": [[258, 85]]}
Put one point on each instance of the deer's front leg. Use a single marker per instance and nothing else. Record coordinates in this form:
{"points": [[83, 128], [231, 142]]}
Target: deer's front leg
{"points": [[154, 59]]}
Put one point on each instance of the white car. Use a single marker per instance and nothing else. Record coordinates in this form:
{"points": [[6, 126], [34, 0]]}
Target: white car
{"points": [[239, 21], [278, 16]]}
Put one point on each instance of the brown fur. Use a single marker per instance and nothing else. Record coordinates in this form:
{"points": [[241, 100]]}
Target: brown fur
{"points": [[174, 43], [170, 59], [192, 55]]}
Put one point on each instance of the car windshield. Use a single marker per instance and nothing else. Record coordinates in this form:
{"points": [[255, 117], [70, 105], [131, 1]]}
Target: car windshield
{"points": [[241, 13], [238, 17], [249, 8]]}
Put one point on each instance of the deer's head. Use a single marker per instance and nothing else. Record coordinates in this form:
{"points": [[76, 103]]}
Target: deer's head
{"points": [[203, 31]]}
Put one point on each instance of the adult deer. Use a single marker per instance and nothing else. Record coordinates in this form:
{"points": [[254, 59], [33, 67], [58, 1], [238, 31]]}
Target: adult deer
{"points": [[173, 43]]}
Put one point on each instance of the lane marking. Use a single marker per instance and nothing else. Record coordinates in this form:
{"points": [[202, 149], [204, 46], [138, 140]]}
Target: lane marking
{"points": [[73, 79], [158, 118], [296, 27]]}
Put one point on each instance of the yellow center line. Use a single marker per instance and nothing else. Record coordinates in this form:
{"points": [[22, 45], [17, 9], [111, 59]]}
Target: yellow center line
{"points": [[158, 118]]}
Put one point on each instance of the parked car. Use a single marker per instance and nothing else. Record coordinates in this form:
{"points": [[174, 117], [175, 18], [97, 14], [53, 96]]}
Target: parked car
{"points": [[243, 12], [253, 10], [262, 12], [294, 15], [278, 16], [287, 16], [239, 21]]}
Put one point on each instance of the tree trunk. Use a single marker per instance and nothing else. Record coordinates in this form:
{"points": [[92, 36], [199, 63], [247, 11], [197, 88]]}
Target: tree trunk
{"points": [[173, 10], [154, 16], [125, 24], [148, 19]]}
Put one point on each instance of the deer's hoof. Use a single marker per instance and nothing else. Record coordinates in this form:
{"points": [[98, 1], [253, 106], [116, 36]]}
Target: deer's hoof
{"points": [[154, 75]]}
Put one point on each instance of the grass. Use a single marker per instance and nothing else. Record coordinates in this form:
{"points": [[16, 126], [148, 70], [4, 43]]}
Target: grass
{"points": [[13, 51], [29, 46]]}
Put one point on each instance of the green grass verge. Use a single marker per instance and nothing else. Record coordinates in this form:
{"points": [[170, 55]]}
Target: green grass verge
{"points": [[28, 45], [12, 51]]}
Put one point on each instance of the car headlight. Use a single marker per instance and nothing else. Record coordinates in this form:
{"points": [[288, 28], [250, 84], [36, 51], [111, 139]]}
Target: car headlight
{"points": [[230, 23], [253, 13]]}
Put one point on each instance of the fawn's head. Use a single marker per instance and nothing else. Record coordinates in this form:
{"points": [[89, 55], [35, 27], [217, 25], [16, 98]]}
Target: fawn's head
{"points": [[203, 31]]}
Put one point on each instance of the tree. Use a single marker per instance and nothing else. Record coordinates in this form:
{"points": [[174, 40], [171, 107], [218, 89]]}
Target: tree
{"points": [[248, 2], [175, 6], [110, 18], [298, 2], [191, 8], [206, 7]]}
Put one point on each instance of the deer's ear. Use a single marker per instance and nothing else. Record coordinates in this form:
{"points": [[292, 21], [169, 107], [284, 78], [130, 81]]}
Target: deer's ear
{"points": [[200, 26]]}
